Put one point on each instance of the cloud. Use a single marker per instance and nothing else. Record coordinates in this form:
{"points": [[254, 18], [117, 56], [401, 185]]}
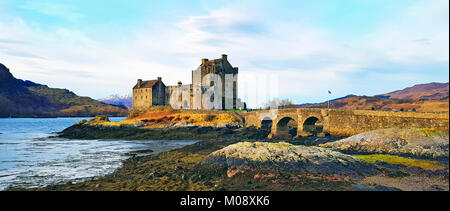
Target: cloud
{"points": [[20, 53], [8, 41], [308, 59], [418, 35], [53, 9]]}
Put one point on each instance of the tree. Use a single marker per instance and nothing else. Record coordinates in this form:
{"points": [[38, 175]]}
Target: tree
{"points": [[286, 103]]}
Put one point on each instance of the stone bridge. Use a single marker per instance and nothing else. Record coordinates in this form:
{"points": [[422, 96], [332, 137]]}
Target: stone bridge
{"points": [[304, 122]]}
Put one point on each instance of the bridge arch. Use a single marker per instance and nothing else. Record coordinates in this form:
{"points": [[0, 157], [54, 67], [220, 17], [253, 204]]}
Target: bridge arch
{"points": [[286, 127], [312, 125], [266, 125]]}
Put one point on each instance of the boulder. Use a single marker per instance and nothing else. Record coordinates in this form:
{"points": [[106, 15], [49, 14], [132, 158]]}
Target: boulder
{"points": [[95, 120], [182, 124], [415, 142], [285, 156]]}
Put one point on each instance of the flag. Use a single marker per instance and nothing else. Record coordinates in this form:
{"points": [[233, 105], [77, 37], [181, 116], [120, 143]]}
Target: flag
{"points": [[329, 92]]}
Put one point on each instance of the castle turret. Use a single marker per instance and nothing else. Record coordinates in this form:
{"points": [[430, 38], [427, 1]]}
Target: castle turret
{"points": [[224, 57]]}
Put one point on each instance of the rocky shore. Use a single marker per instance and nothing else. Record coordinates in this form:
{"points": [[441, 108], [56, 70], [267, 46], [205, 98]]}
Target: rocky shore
{"points": [[426, 143], [165, 124], [86, 130], [231, 157], [186, 169], [235, 165], [284, 156]]}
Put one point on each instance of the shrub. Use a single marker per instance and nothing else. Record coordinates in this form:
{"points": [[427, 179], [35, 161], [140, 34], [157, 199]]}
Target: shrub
{"points": [[210, 118]]}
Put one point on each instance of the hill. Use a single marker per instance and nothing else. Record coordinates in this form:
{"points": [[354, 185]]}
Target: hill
{"points": [[19, 98], [430, 91], [431, 97]]}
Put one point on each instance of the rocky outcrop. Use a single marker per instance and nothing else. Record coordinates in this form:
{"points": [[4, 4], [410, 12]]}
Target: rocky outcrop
{"points": [[416, 142], [285, 156], [101, 128]]}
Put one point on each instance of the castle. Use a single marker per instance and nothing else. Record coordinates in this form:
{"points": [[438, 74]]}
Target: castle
{"points": [[217, 72]]}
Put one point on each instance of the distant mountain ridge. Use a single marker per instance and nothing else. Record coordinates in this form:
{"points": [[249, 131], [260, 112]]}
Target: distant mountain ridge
{"points": [[121, 100], [430, 91], [19, 98], [340, 98], [431, 97]]}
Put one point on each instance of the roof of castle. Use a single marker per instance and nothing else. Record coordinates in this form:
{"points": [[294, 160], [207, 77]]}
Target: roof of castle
{"points": [[222, 65], [146, 84], [214, 61]]}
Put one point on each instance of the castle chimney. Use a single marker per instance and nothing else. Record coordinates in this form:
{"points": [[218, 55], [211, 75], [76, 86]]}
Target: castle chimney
{"points": [[224, 57], [204, 61], [159, 78], [139, 83]]}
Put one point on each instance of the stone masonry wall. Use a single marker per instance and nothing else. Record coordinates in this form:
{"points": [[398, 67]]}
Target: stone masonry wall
{"points": [[142, 98], [348, 123]]}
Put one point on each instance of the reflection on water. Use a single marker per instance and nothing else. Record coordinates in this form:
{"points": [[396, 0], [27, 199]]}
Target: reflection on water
{"points": [[28, 158]]}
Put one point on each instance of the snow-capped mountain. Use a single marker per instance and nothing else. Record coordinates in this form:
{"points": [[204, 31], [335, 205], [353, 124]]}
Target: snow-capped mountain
{"points": [[115, 99]]}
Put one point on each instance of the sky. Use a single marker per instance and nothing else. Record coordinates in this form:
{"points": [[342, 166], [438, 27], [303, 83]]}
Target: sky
{"points": [[101, 47]]}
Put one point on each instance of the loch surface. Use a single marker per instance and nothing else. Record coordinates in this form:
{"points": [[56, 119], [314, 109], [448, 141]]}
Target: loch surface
{"points": [[29, 158]]}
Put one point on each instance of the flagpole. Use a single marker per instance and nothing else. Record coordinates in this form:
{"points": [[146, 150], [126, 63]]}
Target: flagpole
{"points": [[329, 92]]}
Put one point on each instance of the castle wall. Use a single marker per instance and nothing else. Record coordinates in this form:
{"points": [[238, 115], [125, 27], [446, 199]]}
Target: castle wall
{"points": [[142, 98], [169, 91], [159, 95]]}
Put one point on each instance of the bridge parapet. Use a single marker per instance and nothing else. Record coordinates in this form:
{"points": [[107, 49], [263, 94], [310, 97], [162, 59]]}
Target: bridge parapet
{"points": [[350, 122]]}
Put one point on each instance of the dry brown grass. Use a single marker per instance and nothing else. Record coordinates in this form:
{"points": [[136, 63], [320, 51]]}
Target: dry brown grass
{"points": [[434, 106], [163, 116]]}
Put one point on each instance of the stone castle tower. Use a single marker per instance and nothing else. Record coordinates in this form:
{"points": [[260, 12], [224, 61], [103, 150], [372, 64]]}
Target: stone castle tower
{"points": [[220, 67]]}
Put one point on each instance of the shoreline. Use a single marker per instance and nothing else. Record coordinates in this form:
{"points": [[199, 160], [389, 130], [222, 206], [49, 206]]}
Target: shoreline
{"points": [[187, 169], [84, 131], [184, 169], [55, 117]]}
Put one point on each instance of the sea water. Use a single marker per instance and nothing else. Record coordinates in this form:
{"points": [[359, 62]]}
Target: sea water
{"points": [[29, 157]]}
